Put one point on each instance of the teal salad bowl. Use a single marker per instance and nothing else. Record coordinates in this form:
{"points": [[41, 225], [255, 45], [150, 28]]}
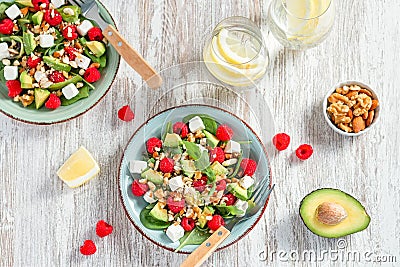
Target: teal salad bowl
{"points": [[45, 116], [154, 127]]}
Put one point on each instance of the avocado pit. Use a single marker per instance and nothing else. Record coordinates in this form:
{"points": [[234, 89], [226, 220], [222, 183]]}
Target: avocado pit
{"points": [[330, 213]]}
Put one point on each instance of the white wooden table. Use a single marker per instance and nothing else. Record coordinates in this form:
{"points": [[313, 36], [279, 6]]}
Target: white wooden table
{"points": [[43, 222]]}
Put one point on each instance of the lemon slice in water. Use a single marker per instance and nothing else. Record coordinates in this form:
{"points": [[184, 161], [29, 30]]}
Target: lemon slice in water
{"points": [[79, 168]]}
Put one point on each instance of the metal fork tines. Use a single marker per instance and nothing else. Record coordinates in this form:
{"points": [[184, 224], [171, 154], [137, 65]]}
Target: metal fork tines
{"points": [[90, 10]]}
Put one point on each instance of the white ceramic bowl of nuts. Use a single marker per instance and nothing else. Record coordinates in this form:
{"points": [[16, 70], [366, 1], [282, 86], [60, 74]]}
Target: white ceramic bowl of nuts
{"points": [[351, 108]]}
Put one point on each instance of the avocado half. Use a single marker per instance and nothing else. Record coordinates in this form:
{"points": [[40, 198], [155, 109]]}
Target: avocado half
{"points": [[356, 220]]}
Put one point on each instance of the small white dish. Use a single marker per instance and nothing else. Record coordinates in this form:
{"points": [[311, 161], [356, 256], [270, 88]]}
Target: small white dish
{"points": [[348, 83]]}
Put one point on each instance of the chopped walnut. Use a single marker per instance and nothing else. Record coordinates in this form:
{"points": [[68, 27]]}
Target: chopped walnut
{"points": [[26, 99]]}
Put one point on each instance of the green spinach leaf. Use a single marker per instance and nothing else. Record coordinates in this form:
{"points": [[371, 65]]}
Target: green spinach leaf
{"points": [[203, 162], [192, 149], [194, 237], [229, 210], [150, 222], [83, 93]]}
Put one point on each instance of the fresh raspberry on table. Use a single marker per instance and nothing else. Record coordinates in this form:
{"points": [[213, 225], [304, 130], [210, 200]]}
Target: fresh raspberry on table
{"points": [[175, 206], [32, 63], [92, 75], [200, 185], [6, 26], [53, 102], [224, 132], [281, 141], [248, 166], [103, 229], [217, 154], [71, 52], [180, 128], [88, 248], [153, 143], [230, 199], [216, 222], [14, 88], [139, 189], [304, 151], [187, 224], [70, 32], [56, 77], [125, 113], [167, 165], [220, 185], [37, 4], [52, 17], [95, 34]]}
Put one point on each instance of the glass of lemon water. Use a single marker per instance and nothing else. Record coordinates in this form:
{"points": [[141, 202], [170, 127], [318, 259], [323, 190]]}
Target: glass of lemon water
{"points": [[301, 24], [236, 53]]}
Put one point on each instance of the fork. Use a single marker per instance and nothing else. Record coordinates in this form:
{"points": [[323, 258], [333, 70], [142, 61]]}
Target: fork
{"points": [[210, 245], [90, 10]]}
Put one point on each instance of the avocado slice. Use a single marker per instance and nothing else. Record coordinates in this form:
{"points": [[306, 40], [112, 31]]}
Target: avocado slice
{"points": [[218, 168], [238, 191], [41, 96], [29, 42], [317, 208], [66, 16], [26, 80], [58, 86], [37, 18], [56, 64], [98, 48], [188, 167], [207, 211], [212, 141], [172, 140], [159, 213], [153, 176], [27, 3]]}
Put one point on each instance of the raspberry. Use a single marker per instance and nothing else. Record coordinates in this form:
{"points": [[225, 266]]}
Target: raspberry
{"points": [[216, 222], [200, 185], [56, 77], [6, 26], [125, 113], [139, 189], [52, 17], [71, 52], [38, 3], [152, 143], [53, 102], [187, 224], [181, 129], [281, 141], [103, 229], [88, 248], [224, 132], [231, 199], [221, 185], [70, 32], [92, 75], [32, 63], [95, 34], [167, 165], [14, 88], [217, 154], [304, 151], [175, 206], [248, 166]]}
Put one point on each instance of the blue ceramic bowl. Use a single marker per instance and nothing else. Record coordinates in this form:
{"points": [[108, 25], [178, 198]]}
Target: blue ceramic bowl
{"points": [[153, 127]]}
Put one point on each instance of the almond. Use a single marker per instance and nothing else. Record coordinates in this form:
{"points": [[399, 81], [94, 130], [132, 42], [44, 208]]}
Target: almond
{"points": [[370, 118], [350, 114], [365, 91], [365, 115], [375, 104], [358, 124]]}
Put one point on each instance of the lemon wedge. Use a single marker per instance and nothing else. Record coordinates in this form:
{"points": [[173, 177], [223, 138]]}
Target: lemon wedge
{"points": [[79, 168]]}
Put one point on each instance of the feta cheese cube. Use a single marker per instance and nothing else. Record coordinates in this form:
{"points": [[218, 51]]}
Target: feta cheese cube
{"points": [[13, 12], [175, 183], [232, 147], [246, 181], [57, 3], [175, 232], [39, 75], [82, 61], [46, 40], [137, 166], [70, 91], [148, 197], [4, 53], [84, 27], [196, 124], [241, 205], [10, 72]]}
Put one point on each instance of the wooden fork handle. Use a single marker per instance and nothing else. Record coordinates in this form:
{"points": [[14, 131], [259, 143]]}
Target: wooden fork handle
{"points": [[132, 57], [206, 248]]}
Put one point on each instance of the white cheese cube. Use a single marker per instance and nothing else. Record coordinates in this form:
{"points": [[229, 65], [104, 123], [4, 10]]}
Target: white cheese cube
{"points": [[13, 12], [57, 3], [46, 40], [10, 72], [241, 205], [39, 75], [175, 183], [4, 53], [232, 147], [70, 91], [175, 232], [137, 166], [196, 124], [148, 197], [82, 61], [246, 181], [84, 27]]}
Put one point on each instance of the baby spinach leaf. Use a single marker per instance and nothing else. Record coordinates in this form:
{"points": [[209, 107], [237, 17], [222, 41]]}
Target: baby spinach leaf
{"points": [[210, 174], [83, 93], [229, 210], [150, 222], [194, 237], [192, 149], [203, 162]]}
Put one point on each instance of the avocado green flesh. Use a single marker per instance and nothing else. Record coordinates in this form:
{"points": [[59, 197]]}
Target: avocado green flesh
{"points": [[357, 218], [41, 96], [153, 176], [218, 168], [172, 140], [238, 191], [159, 213]]}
